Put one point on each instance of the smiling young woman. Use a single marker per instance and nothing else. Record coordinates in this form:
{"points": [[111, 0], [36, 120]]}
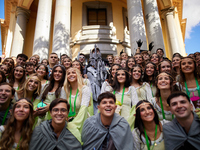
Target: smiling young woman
{"points": [[10, 63], [125, 94], [31, 88], [106, 86], [150, 74], [130, 63], [148, 132], [34, 60], [143, 88], [17, 133], [45, 62], [5, 69], [42, 73], [123, 63], [54, 89], [117, 60], [139, 60], [155, 58], [165, 66], [18, 77], [79, 97], [67, 63], [164, 85], [176, 58], [77, 64], [189, 81]]}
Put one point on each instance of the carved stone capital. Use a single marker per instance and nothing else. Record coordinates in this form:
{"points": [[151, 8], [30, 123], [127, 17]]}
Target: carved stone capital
{"points": [[167, 11], [23, 12]]}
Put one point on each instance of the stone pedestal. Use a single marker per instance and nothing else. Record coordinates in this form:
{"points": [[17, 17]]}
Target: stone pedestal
{"points": [[42, 29], [153, 24], [20, 31], [61, 34], [136, 24]]}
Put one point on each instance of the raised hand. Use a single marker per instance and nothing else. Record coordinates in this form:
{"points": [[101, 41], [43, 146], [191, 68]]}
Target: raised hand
{"points": [[151, 46], [139, 42]]}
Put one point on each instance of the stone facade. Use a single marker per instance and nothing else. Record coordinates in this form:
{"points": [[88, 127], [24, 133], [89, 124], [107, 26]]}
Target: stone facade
{"points": [[61, 26]]}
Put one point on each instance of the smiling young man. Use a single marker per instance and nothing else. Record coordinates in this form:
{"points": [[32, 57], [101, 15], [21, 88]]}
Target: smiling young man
{"points": [[183, 132], [110, 59], [29, 66], [21, 59], [81, 58], [6, 95], [54, 134], [53, 60], [107, 130], [124, 56], [160, 52]]}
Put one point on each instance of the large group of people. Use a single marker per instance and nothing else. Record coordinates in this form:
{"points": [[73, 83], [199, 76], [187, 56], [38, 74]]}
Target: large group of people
{"points": [[147, 101]]}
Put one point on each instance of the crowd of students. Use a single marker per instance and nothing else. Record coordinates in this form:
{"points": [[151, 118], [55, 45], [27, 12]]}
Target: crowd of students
{"points": [[48, 104]]}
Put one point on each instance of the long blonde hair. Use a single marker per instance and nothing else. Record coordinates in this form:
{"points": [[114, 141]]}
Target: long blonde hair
{"points": [[80, 83], [24, 88]]}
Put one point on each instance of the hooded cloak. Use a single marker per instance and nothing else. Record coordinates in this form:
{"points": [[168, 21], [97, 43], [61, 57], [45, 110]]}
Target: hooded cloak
{"points": [[43, 138], [175, 136], [94, 133]]}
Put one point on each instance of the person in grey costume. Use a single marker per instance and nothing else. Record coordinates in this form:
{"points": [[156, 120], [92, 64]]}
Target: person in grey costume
{"points": [[96, 73]]}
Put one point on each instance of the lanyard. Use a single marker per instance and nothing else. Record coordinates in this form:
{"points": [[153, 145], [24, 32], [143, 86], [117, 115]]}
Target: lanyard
{"points": [[122, 99], [17, 148], [147, 140], [18, 87], [151, 89], [5, 115], [163, 113], [198, 89], [72, 113]]}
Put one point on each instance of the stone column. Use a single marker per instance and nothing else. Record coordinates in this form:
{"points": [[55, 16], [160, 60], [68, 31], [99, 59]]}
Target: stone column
{"points": [[136, 24], [20, 31], [153, 24], [173, 37], [61, 34], [11, 29], [42, 29]]}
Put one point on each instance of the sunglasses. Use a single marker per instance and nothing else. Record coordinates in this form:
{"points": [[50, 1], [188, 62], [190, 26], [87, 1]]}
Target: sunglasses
{"points": [[81, 57]]}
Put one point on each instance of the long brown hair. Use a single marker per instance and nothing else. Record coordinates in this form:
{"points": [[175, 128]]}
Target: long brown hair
{"points": [[139, 122], [8, 138], [116, 85], [111, 78], [146, 78], [10, 67], [140, 79], [52, 81], [173, 87], [22, 80], [183, 79]]}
